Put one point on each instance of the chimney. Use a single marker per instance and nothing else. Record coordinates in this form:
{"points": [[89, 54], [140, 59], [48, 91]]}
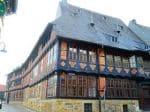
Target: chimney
{"points": [[134, 21]]}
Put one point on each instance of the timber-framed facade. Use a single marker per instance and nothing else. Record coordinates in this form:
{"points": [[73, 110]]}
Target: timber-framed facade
{"points": [[83, 65]]}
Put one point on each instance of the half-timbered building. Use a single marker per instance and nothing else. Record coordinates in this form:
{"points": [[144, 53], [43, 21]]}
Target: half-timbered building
{"points": [[83, 62]]}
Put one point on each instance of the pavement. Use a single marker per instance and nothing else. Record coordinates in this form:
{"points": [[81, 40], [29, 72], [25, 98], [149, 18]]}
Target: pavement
{"points": [[14, 108]]}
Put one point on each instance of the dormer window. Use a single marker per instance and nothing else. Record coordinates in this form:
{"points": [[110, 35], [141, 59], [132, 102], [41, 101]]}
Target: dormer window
{"points": [[114, 39], [146, 46]]}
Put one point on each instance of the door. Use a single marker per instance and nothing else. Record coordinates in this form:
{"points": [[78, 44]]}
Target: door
{"points": [[88, 107], [125, 108]]}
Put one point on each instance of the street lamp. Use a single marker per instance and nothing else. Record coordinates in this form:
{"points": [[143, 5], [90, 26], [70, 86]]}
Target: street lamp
{"points": [[3, 47]]}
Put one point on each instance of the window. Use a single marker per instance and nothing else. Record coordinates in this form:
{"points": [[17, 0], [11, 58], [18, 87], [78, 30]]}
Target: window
{"points": [[52, 54], [146, 64], [72, 85], [83, 55], [91, 86], [126, 63], [125, 108], [82, 86], [88, 107], [51, 90], [118, 61], [109, 60], [132, 62], [35, 71], [146, 46], [92, 57], [18, 73], [121, 88], [114, 39], [42, 64], [63, 84], [17, 82], [72, 53], [140, 62], [55, 52], [63, 50]]}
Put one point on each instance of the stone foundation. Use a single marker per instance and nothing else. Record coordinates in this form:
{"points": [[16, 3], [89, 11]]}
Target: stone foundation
{"points": [[77, 105], [117, 105], [60, 105]]}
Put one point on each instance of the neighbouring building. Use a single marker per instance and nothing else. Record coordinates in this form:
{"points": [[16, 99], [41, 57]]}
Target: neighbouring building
{"points": [[143, 32], [2, 91], [82, 62]]}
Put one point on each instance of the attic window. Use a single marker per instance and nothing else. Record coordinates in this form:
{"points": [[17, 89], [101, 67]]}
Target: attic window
{"points": [[146, 46], [114, 39]]}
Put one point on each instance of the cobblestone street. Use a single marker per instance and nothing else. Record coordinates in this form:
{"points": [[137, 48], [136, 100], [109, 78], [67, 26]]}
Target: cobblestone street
{"points": [[14, 108]]}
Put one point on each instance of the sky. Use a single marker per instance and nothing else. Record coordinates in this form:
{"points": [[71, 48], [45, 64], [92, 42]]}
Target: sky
{"points": [[22, 30]]}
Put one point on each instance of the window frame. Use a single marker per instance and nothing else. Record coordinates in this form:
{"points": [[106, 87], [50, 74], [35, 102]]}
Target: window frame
{"points": [[51, 86], [72, 53], [82, 55], [109, 60], [92, 56]]}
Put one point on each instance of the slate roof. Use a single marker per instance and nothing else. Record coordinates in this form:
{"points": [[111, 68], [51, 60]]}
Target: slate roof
{"points": [[142, 31], [80, 24]]}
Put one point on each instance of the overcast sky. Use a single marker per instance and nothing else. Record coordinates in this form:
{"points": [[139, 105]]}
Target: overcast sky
{"points": [[21, 30]]}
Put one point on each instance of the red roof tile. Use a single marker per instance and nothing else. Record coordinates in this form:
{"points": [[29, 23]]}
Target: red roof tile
{"points": [[2, 87]]}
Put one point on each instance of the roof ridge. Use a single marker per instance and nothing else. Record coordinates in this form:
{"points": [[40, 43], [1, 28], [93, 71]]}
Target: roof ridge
{"points": [[90, 11]]}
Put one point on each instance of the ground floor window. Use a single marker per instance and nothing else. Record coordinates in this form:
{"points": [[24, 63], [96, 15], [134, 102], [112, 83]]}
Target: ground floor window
{"points": [[87, 107], [51, 88], [120, 88], [73, 85]]}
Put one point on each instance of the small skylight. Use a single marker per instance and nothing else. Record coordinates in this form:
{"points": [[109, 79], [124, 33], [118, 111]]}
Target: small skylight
{"points": [[76, 12], [92, 24]]}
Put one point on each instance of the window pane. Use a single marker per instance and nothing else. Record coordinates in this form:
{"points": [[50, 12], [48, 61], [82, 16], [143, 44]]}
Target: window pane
{"points": [[109, 60], [126, 63], [118, 61], [72, 53], [140, 62], [55, 53], [51, 90], [92, 57], [83, 55], [73, 85], [132, 62], [91, 86], [35, 71], [121, 88]]}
